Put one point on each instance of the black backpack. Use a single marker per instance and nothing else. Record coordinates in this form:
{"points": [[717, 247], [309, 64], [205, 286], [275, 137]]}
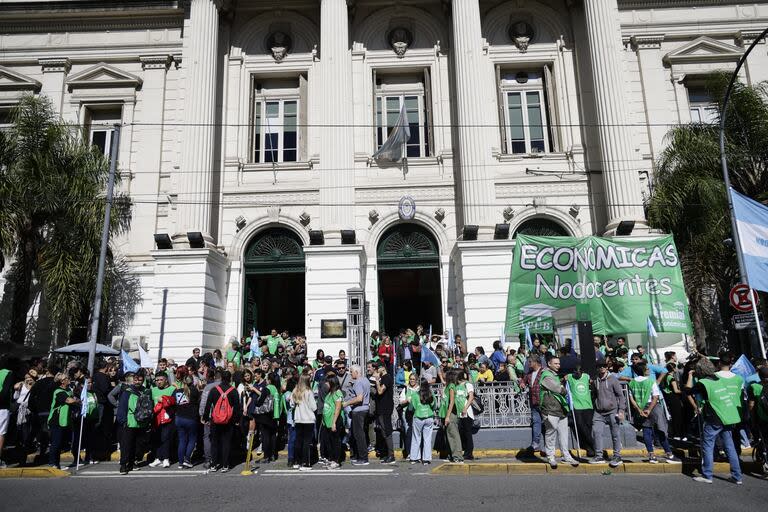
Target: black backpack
{"points": [[144, 408]]}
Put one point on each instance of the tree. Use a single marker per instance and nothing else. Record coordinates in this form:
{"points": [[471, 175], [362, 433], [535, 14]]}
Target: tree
{"points": [[52, 188], [689, 198]]}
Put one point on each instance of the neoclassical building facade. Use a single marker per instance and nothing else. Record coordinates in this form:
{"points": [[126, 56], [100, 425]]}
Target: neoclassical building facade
{"points": [[248, 129]]}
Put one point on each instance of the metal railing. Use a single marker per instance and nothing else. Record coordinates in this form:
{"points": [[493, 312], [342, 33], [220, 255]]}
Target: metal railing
{"points": [[504, 405]]}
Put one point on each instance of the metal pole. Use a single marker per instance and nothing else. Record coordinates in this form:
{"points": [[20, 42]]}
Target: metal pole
{"points": [[95, 314], [727, 179]]}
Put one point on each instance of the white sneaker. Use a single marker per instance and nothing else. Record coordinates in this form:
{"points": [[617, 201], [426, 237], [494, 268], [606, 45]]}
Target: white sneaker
{"points": [[552, 461], [570, 460], [166, 463], [155, 463], [702, 479], [333, 465], [305, 468]]}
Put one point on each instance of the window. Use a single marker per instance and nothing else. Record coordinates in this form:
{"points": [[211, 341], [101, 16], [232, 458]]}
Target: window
{"points": [[703, 107], [278, 127], [393, 92], [100, 127], [524, 112], [5, 117]]}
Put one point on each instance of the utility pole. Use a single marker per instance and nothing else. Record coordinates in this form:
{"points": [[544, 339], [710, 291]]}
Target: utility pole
{"points": [[96, 312]]}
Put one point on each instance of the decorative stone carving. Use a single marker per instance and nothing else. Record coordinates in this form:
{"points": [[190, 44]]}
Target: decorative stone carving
{"points": [[522, 34], [305, 219], [373, 216], [400, 39], [508, 213], [279, 44], [440, 214]]}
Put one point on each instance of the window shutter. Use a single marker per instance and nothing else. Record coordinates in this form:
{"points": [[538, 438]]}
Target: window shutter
{"points": [[553, 120], [253, 143], [502, 117], [428, 120], [302, 119]]}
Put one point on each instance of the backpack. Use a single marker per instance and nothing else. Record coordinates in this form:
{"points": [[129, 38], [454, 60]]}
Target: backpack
{"points": [[145, 408], [222, 411]]}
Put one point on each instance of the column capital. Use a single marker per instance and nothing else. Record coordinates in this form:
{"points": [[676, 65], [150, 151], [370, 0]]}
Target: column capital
{"points": [[155, 61], [55, 64], [646, 41]]}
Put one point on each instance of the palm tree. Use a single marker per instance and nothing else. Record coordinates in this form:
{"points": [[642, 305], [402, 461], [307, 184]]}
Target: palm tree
{"points": [[689, 198], [52, 186]]}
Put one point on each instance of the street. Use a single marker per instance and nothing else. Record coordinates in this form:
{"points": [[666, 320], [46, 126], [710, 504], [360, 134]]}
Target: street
{"points": [[373, 488]]}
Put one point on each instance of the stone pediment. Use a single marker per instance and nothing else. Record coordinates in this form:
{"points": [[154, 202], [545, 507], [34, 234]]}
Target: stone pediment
{"points": [[704, 49], [12, 81], [103, 75]]}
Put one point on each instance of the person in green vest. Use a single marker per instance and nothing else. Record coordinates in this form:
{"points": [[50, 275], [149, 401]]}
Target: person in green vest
{"points": [[7, 383], [554, 409], [581, 401], [59, 417], [720, 405], [332, 421], [423, 403], [645, 398], [450, 420], [273, 341], [130, 427], [162, 434], [406, 401], [758, 407], [88, 439], [319, 359], [234, 355]]}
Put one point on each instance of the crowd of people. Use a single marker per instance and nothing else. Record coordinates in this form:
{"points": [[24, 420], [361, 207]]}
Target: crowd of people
{"points": [[262, 395]]}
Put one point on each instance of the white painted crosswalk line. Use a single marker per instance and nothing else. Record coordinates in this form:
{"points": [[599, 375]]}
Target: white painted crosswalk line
{"points": [[329, 472]]}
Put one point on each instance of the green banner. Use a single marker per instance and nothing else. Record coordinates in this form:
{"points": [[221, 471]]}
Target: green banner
{"points": [[622, 282]]}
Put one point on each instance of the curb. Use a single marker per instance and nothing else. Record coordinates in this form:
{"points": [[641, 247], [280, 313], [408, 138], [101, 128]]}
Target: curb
{"points": [[491, 453], [538, 468], [37, 472]]}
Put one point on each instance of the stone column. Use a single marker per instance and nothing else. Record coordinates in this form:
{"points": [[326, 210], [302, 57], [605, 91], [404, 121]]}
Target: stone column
{"points": [[658, 117], [476, 188], [197, 144], [337, 174], [619, 162], [55, 70]]}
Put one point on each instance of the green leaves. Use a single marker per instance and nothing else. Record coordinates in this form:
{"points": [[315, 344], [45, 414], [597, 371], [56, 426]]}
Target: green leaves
{"points": [[52, 188]]}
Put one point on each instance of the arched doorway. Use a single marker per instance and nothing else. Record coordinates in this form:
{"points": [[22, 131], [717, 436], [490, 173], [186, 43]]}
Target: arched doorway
{"points": [[408, 262], [540, 226], [274, 282]]}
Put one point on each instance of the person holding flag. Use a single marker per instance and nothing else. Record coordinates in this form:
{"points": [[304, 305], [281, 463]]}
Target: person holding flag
{"points": [[580, 401], [554, 409], [85, 429]]}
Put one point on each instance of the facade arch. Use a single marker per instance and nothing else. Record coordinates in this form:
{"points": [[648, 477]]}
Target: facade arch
{"points": [[549, 23], [569, 226], [385, 224], [372, 31], [246, 235], [250, 38]]}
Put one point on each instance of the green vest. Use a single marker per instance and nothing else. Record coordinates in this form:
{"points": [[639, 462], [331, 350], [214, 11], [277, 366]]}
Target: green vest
{"points": [[666, 383], [420, 410], [756, 390], [157, 393], [461, 398], [642, 391], [133, 400], [329, 407], [276, 410], [581, 395], [410, 396], [3, 375], [91, 409], [544, 391], [233, 356], [62, 411], [443, 411], [272, 343], [473, 376], [724, 398]]}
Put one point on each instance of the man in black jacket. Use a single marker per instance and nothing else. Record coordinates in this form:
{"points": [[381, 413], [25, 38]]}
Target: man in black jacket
{"points": [[40, 398], [105, 417], [221, 433]]}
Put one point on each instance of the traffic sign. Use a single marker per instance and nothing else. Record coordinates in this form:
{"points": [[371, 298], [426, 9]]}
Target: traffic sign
{"points": [[741, 298], [743, 321]]}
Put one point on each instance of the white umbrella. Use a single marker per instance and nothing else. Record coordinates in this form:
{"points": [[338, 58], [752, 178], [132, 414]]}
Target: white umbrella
{"points": [[82, 348]]}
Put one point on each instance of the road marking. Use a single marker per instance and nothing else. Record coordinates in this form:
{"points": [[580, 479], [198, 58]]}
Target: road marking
{"points": [[323, 473], [112, 475], [326, 471]]}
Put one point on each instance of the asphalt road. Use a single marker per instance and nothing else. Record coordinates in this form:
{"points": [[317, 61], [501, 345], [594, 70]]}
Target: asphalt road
{"points": [[373, 488]]}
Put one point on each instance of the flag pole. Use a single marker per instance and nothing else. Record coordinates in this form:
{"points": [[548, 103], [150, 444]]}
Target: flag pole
{"points": [[575, 425], [727, 179]]}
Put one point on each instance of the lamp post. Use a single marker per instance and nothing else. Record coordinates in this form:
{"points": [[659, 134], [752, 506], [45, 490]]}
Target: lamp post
{"points": [[727, 179]]}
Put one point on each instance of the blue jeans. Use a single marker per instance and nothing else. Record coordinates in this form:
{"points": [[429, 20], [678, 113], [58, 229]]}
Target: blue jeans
{"points": [[187, 429], [421, 431], [59, 436], [291, 440], [711, 432], [536, 427], [648, 439]]}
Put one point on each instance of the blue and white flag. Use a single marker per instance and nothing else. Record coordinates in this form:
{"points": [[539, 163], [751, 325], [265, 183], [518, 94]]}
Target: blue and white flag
{"points": [[84, 399], [743, 368], [752, 223], [528, 339], [255, 348], [651, 329], [129, 365], [428, 356], [568, 394]]}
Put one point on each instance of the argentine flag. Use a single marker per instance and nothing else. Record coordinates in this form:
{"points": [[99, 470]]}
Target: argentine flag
{"points": [[752, 224]]}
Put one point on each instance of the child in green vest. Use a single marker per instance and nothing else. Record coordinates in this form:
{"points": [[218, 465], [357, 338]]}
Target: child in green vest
{"points": [[645, 398]]}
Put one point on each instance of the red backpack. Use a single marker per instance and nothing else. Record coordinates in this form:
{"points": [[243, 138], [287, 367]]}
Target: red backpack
{"points": [[222, 411]]}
